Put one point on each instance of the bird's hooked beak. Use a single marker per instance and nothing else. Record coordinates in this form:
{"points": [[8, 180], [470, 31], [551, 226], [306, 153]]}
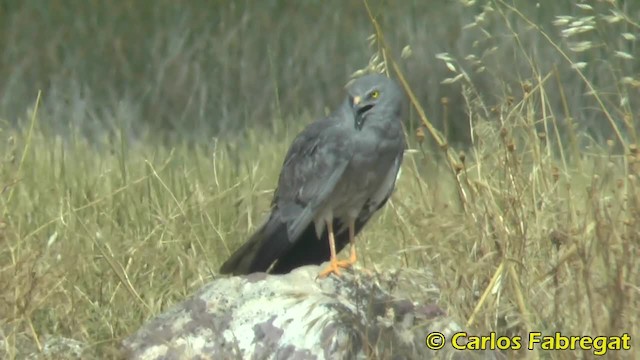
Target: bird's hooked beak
{"points": [[359, 110], [357, 114]]}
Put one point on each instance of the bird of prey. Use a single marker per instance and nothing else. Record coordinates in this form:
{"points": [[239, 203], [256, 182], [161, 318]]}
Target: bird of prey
{"points": [[337, 173]]}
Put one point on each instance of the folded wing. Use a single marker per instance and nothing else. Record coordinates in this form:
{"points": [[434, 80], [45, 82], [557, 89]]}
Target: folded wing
{"points": [[309, 249], [312, 168]]}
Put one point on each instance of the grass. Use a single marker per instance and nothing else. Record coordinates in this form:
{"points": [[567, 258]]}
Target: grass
{"points": [[94, 243], [218, 66], [535, 226]]}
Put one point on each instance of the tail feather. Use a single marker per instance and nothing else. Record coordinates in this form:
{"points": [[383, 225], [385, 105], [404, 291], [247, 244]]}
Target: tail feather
{"points": [[264, 247], [309, 250], [271, 244]]}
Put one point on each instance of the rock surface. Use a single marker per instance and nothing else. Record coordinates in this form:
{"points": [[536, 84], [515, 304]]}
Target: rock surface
{"points": [[296, 316]]}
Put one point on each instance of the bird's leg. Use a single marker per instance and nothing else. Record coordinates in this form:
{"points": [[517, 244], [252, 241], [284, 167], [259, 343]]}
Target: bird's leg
{"points": [[352, 247], [333, 265], [352, 241]]}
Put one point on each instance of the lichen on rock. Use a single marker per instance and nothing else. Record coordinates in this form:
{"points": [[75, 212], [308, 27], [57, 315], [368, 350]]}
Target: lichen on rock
{"points": [[360, 315]]}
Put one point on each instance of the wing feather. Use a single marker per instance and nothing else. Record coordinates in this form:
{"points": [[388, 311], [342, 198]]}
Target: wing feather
{"points": [[311, 170], [313, 167]]}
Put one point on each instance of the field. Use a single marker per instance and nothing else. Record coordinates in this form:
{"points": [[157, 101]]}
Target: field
{"points": [[121, 195]]}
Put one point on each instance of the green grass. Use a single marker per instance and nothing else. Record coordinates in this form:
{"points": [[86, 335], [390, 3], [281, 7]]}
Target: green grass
{"points": [[535, 227]]}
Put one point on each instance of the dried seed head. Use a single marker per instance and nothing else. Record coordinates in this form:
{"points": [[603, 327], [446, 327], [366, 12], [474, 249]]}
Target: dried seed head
{"points": [[623, 55], [557, 237], [610, 143], [462, 156], [444, 146], [458, 167], [511, 147], [503, 132], [555, 173], [542, 135], [510, 100], [579, 65], [633, 148], [420, 135], [406, 52], [527, 86], [580, 46]]}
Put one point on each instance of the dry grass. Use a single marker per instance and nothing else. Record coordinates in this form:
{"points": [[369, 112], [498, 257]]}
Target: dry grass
{"points": [[533, 228]]}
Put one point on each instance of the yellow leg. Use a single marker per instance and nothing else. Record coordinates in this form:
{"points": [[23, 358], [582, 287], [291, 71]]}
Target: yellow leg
{"points": [[333, 265], [352, 245]]}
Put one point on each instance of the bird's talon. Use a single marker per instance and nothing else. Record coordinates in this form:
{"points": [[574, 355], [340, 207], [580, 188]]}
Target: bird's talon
{"points": [[345, 264], [333, 267]]}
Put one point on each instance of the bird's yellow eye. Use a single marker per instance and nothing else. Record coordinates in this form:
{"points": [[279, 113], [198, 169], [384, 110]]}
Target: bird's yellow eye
{"points": [[374, 94]]}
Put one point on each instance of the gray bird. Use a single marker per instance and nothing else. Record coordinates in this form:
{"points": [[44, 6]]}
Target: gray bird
{"points": [[337, 173]]}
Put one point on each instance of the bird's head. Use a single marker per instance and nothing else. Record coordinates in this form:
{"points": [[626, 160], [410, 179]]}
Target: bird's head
{"points": [[374, 94]]}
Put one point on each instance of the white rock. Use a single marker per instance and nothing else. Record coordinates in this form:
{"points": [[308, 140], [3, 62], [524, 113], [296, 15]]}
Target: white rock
{"points": [[296, 316]]}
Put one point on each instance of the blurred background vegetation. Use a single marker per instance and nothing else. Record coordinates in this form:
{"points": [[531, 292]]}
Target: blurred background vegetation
{"points": [[192, 70]]}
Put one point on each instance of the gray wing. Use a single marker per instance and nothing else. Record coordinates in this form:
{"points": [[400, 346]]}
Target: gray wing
{"points": [[389, 184], [381, 196], [312, 168]]}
